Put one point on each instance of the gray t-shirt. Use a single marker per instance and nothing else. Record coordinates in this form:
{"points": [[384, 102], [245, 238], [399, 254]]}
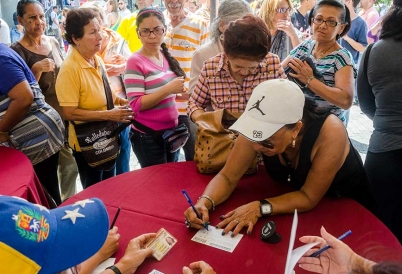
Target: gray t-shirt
{"points": [[380, 96]]}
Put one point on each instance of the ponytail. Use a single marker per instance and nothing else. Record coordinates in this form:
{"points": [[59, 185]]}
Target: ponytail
{"points": [[174, 65]]}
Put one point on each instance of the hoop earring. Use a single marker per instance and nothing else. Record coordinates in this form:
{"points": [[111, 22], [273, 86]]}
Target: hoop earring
{"points": [[293, 142], [221, 37]]}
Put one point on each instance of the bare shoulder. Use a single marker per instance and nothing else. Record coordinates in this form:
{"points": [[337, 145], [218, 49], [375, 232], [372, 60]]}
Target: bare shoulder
{"points": [[332, 137]]}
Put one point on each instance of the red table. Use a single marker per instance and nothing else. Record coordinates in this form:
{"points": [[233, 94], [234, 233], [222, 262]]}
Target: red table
{"points": [[151, 198], [18, 178]]}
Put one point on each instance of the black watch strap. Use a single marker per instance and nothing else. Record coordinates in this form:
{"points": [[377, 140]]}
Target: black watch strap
{"points": [[114, 269]]}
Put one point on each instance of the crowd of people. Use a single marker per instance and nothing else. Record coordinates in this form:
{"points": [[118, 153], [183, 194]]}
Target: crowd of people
{"points": [[292, 74]]}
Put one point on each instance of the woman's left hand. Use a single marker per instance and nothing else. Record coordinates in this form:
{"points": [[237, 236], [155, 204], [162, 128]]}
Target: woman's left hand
{"points": [[243, 216], [302, 69]]}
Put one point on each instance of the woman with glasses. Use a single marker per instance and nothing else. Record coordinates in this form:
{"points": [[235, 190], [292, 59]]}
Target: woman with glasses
{"points": [[303, 146], [284, 36], [227, 80], [152, 79], [329, 20]]}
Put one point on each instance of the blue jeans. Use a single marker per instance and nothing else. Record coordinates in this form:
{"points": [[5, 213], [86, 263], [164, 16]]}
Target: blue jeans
{"points": [[123, 160], [189, 146], [88, 175], [148, 151]]}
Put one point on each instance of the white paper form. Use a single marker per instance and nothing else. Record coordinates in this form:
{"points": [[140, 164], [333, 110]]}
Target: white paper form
{"points": [[213, 237], [295, 255]]}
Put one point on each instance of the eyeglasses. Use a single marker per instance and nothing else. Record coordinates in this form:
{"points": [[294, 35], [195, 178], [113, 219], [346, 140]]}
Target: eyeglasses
{"points": [[155, 31], [329, 23], [283, 10]]}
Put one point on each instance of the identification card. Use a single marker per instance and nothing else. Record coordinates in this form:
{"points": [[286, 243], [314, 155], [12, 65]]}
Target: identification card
{"points": [[161, 244]]}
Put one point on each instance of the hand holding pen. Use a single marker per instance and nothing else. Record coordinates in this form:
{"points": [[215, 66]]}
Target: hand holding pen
{"points": [[187, 222], [339, 258]]}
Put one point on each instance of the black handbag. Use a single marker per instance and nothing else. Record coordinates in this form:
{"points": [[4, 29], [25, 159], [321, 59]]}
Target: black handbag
{"points": [[99, 140], [302, 86], [174, 139]]}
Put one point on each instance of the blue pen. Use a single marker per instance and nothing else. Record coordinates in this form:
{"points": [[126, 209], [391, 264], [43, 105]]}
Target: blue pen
{"points": [[340, 238], [195, 210]]}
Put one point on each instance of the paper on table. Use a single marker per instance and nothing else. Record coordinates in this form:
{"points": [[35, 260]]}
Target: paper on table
{"points": [[102, 266], [295, 255], [213, 237]]}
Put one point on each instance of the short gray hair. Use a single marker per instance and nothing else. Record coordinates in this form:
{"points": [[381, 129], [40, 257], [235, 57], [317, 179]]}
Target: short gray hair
{"points": [[229, 10]]}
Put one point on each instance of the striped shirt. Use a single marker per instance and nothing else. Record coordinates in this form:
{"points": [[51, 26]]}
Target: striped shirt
{"points": [[327, 66], [182, 41], [217, 87], [144, 77]]}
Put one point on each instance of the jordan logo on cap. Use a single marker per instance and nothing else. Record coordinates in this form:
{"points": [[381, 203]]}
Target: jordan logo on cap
{"points": [[256, 105]]}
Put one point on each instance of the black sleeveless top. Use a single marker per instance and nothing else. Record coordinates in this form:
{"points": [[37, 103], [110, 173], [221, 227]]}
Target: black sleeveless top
{"points": [[350, 180]]}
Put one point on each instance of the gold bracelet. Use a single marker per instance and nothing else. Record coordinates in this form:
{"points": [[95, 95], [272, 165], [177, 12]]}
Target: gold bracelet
{"points": [[309, 80], [4, 133]]}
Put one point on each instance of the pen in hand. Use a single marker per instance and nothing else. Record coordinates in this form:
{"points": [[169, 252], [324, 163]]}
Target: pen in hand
{"points": [[340, 238], [195, 210], [115, 218]]}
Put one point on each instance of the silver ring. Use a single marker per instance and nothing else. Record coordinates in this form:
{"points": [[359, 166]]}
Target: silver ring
{"points": [[237, 222], [187, 223]]}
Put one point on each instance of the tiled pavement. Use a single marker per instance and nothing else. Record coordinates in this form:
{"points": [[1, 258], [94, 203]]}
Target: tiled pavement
{"points": [[359, 128]]}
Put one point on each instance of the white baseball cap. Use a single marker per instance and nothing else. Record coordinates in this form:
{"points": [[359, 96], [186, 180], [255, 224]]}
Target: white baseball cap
{"points": [[273, 104]]}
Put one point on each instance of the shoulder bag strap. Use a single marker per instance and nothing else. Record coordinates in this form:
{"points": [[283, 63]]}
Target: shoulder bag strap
{"points": [[366, 58], [108, 91]]}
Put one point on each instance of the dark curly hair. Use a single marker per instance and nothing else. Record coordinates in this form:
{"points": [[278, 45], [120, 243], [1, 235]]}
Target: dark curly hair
{"points": [[247, 38], [76, 20]]}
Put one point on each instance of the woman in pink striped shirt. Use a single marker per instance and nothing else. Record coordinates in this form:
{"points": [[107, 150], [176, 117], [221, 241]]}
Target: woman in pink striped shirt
{"points": [[152, 79]]}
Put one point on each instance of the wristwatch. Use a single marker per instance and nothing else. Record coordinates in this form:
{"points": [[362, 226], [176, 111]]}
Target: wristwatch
{"points": [[114, 269], [265, 208]]}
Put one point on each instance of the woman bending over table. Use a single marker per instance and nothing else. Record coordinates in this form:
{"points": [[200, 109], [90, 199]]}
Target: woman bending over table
{"points": [[329, 20], [302, 145]]}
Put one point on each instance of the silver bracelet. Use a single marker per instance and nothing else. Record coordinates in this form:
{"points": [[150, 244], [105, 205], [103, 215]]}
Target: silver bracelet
{"points": [[209, 198], [309, 80]]}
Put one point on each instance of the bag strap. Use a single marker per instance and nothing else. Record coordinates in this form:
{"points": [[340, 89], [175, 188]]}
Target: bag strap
{"points": [[366, 58], [108, 91]]}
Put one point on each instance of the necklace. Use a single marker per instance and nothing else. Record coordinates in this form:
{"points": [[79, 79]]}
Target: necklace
{"points": [[289, 162], [320, 55]]}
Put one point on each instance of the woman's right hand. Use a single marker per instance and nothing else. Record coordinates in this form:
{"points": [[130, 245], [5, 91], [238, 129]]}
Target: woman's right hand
{"points": [[120, 114], [45, 65], [192, 218], [176, 86], [199, 267]]}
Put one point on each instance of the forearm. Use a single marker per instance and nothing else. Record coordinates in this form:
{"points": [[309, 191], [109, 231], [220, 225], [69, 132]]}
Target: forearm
{"points": [[150, 100], [219, 190], [16, 111], [356, 45], [287, 203], [37, 72], [294, 39], [361, 265], [196, 114], [334, 95], [86, 115], [88, 266]]}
